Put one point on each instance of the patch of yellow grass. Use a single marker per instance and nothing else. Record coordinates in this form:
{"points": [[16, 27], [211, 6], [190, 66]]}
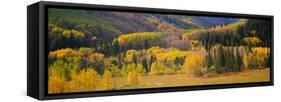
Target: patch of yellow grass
{"points": [[154, 81]]}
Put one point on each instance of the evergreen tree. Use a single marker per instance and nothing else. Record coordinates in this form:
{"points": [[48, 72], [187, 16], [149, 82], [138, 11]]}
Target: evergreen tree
{"points": [[145, 64], [238, 60], [209, 60]]}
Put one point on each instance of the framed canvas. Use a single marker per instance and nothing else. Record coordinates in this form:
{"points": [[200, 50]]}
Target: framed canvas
{"points": [[85, 50]]}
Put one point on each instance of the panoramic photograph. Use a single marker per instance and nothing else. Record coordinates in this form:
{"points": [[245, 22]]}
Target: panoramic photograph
{"points": [[90, 50]]}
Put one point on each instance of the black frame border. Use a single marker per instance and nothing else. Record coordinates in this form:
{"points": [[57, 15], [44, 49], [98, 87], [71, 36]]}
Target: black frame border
{"points": [[43, 53]]}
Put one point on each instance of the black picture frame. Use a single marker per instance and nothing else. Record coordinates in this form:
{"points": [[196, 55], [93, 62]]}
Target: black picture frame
{"points": [[37, 49]]}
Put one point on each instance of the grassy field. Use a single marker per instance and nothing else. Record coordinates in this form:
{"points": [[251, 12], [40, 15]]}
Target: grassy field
{"points": [[154, 81]]}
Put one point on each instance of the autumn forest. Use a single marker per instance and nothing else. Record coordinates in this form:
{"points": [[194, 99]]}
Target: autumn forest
{"points": [[100, 50]]}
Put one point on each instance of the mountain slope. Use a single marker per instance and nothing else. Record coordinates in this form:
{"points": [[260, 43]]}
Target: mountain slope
{"points": [[117, 23]]}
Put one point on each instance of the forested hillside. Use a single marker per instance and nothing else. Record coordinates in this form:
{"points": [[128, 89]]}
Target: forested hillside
{"points": [[102, 27], [97, 50]]}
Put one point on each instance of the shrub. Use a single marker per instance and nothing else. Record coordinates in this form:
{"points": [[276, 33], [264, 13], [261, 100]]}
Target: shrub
{"points": [[56, 84], [140, 69], [194, 63], [157, 68], [86, 80]]}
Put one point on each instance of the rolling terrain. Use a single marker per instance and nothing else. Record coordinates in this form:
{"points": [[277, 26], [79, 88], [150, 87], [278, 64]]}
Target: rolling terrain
{"points": [[108, 25], [97, 50]]}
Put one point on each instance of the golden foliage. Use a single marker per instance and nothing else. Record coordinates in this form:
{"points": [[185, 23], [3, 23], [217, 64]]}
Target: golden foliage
{"points": [[247, 58], [160, 61], [140, 69], [86, 51], [261, 51], [166, 27], [261, 56], [107, 82], [135, 38], [171, 55], [195, 44], [188, 35], [130, 55], [134, 78], [63, 53], [230, 27], [155, 50], [74, 33], [253, 41], [56, 84], [95, 57], [55, 30], [86, 80], [157, 68], [257, 58], [195, 62]]}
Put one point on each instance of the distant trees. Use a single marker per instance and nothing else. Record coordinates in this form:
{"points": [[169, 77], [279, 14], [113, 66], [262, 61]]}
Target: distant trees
{"points": [[256, 28], [76, 37], [63, 38], [72, 33], [225, 35], [86, 35], [140, 40], [242, 33]]}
